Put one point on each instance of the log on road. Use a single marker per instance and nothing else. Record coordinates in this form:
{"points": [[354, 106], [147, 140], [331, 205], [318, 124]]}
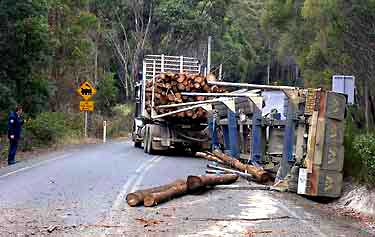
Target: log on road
{"points": [[209, 157], [137, 198], [153, 199], [196, 183], [260, 175], [230, 171]]}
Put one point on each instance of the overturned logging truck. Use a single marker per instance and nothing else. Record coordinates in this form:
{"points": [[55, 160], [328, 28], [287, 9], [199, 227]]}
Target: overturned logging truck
{"points": [[294, 133]]}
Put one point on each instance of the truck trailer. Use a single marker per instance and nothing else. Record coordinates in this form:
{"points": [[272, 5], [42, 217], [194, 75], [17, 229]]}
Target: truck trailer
{"points": [[161, 132]]}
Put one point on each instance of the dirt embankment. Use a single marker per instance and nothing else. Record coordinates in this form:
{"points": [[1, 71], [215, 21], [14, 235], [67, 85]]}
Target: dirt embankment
{"points": [[359, 198]]}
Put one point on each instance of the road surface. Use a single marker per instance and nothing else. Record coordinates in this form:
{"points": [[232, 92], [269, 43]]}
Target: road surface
{"points": [[80, 192]]}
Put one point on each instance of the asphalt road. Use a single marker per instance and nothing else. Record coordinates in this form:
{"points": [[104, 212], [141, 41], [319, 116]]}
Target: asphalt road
{"points": [[81, 191]]}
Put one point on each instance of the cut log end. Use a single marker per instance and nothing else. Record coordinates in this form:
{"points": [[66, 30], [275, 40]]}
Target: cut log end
{"points": [[194, 183], [133, 199], [264, 178]]}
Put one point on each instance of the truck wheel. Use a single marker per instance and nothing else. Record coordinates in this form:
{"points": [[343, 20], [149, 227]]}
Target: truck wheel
{"points": [[145, 139], [150, 136], [138, 144]]}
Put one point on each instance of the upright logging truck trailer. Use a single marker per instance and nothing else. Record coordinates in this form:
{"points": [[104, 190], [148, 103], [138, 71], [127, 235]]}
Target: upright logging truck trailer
{"points": [[164, 129]]}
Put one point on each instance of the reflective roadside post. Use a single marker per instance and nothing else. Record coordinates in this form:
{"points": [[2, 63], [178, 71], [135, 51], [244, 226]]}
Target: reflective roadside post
{"points": [[104, 131]]}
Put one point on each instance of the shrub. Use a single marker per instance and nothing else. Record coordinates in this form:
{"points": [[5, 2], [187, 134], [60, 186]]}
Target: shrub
{"points": [[49, 128], [364, 148], [122, 121], [352, 164], [4, 146]]}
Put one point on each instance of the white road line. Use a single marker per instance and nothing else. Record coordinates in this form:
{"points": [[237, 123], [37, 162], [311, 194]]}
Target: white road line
{"points": [[144, 172], [124, 190], [132, 183], [35, 166]]}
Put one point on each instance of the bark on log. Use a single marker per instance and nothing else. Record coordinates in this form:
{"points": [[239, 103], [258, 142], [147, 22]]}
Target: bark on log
{"points": [[195, 183], [260, 175], [136, 198], [154, 198], [208, 157]]}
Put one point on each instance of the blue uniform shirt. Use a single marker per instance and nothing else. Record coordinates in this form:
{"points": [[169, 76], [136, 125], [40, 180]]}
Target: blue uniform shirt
{"points": [[14, 125]]}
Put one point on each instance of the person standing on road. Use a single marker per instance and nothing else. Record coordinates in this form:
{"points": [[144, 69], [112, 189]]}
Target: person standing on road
{"points": [[14, 133]]}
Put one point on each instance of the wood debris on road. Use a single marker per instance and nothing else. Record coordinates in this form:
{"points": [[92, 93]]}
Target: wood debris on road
{"points": [[260, 175], [137, 198], [196, 183], [154, 196]]}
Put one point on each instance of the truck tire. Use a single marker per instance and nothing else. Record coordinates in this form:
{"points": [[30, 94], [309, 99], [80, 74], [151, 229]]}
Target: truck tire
{"points": [[138, 144], [150, 149], [145, 139]]}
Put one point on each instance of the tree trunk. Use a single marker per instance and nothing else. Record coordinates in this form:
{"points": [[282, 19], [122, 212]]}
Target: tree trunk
{"points": [[208, 157], [367, 110], [260, 175], [154, 198], [136, 198], [196, 183]]}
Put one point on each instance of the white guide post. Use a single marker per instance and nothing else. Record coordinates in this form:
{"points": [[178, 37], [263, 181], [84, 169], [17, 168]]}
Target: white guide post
{"points": [[104, 131]]}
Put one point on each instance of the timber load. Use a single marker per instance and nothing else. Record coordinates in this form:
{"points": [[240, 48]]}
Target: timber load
{"points": [[168, 89]]}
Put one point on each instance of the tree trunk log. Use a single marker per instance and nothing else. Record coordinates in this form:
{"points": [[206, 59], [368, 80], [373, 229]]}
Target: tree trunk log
{"points": [[136, 198], [260, 175], [154, 198], [208, 157], [196, 183]]}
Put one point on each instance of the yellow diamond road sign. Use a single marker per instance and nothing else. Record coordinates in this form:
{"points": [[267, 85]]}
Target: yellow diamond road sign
{"points": [[86, 90], [86, 106]]}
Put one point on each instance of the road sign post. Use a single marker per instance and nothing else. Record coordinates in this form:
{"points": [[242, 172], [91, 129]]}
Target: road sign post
{"points": [[86, 120], [86, 90]]}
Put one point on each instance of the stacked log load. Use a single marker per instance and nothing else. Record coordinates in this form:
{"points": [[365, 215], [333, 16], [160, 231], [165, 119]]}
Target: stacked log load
{"points": [[168, 89]]}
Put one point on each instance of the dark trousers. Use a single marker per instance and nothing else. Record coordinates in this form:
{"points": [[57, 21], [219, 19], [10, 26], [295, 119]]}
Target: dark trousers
{"points": [[13, 143]]}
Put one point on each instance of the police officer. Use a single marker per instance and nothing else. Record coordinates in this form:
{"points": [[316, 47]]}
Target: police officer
{"points": [[14, 133]]}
